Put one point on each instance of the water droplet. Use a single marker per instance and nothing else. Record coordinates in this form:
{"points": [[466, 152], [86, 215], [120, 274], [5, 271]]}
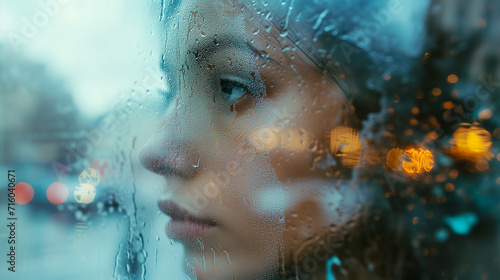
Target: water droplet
{"points": [[142, 256], [196, 163], [227, 256]]}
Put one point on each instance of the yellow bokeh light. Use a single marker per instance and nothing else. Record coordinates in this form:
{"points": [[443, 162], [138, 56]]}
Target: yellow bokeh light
{"points": [[296, 140], [90, 176], [345, 143], [471, 142], [85, 191]]}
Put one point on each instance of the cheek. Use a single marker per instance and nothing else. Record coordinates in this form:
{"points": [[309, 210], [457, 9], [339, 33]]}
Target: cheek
{"points": [[310, 203], [308, 217], [295, 147], [318, 215]]}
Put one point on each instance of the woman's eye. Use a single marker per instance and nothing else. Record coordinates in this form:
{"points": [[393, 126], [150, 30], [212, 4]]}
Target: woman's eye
{"points": [[232, 89]]}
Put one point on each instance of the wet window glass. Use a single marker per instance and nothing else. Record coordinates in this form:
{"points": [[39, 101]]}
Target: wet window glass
{"points": [[236, 139]]}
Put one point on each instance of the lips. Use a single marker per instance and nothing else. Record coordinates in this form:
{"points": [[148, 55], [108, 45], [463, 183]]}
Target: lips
{"points": [[184, 225]]}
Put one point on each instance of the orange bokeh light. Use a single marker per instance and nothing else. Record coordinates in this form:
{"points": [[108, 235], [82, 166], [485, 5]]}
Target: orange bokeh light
{"points": [[410, 160], [393, 158], [436, 91], [344, 142], [417, 161], [448, 105], [452, 79]]}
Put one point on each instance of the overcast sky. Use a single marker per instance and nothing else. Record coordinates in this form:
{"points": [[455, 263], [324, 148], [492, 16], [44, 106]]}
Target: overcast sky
{"points": [[100, 47]]}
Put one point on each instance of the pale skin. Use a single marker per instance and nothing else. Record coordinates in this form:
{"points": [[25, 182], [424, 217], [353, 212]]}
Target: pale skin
{"points": [[237, 143]]}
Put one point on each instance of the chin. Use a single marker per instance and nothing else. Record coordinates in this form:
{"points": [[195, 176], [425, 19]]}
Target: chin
{"points": [[222, 271]]}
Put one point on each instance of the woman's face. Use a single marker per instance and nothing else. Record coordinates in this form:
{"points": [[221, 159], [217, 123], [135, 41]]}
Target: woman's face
{"points": [[242, 145]]}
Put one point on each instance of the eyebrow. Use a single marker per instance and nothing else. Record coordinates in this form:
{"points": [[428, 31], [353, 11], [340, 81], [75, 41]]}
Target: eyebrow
{"points": [[209, 47]]}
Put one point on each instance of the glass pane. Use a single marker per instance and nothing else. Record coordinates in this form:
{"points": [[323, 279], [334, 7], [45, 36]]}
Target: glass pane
{"points": [[234, 139]]}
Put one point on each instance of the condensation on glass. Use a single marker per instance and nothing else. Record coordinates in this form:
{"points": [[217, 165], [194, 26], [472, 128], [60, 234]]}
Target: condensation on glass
{"points": [[235, 139]]}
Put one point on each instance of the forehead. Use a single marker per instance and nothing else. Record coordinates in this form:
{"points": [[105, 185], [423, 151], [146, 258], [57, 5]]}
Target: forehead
{"points": [[198, 25], [220, 23], [209, 16]]}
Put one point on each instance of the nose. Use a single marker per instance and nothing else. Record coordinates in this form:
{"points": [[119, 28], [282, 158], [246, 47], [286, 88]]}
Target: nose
{"points": [[171, 151]]}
